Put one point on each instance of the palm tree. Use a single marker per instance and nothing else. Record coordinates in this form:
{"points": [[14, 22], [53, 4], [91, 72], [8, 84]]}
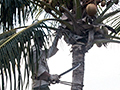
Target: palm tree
{"points": [[81, 26]]}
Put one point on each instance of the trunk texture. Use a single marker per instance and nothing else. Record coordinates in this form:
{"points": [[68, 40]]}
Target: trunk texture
{"points": [[78, 53]]}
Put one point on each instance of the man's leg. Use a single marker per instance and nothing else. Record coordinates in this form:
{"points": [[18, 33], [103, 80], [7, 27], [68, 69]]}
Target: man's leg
{"points": [[44, 87], [37, 88]]}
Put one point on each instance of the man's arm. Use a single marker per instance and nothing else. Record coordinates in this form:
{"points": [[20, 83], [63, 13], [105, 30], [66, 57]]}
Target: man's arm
{"points": [[53, 49], [44, 76], [48, 77]]}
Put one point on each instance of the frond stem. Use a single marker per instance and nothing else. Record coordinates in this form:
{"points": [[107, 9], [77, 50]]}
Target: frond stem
{"points": [[34, 24]]}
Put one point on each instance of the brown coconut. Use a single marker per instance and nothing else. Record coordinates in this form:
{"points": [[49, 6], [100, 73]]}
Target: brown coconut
{"points": [[91, 9], [103, 3]]}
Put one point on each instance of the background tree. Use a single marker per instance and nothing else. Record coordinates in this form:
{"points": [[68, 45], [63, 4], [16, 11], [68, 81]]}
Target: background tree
{"points": [[81, 22]]}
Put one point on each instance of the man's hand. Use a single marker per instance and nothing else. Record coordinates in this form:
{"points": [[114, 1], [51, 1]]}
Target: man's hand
{"points": [[54, 78]]}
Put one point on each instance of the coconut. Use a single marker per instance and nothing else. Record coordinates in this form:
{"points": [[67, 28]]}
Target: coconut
{"points": [[91, 9], [47, 9], [105, 30], [103, 3], [61, 10], [117, 1], [108, 3], [99, 44]]}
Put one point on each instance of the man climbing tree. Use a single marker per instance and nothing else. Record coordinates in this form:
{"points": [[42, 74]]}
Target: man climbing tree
{"points": [[41, 77]]}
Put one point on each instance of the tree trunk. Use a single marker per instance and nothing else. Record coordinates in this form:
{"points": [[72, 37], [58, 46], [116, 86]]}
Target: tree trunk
{"points": [[78, 53]]}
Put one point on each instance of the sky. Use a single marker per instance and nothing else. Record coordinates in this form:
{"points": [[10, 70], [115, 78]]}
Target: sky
{"points": [[102, 67]]}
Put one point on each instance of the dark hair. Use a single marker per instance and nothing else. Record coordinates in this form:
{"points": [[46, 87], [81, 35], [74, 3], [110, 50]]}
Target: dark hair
{"points": [[39, 38]]}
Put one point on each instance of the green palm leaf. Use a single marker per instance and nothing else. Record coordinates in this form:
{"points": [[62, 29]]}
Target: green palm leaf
{"points": [[14, 12], [12, 49]]}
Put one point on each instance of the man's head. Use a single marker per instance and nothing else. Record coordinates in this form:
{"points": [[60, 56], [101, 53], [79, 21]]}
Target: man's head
{"points": [[39, 38], [39, 41]]}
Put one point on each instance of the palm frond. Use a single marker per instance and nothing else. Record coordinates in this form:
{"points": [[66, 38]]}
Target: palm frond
{"points": [[78, 9], [16, 47], [108, 15], [15, 12], [7, 34], [105, 41], [107, 8]]}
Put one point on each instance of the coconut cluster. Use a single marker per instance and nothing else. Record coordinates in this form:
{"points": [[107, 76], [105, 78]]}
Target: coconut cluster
{"points": [[91, 5], [57, 4], [104, 2]]}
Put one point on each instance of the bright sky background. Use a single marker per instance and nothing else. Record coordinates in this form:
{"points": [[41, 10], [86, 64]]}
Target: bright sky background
{"points": [[102, 67]]}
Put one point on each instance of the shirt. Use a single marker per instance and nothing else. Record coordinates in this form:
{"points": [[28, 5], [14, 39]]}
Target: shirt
{"points": [[42, 64]]}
